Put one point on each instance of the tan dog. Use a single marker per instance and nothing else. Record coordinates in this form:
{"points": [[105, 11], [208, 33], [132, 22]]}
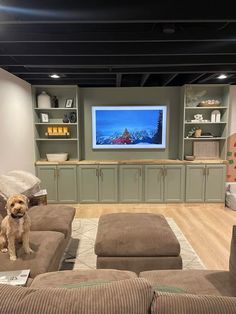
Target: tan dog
{"points": [[15, 226]]}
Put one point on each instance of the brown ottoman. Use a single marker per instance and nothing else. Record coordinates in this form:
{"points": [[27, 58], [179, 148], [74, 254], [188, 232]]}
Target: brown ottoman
{"points": [[136, 242]]}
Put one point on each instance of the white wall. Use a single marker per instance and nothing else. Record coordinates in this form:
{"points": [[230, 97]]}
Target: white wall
{"points": [[16, 124], [232, 112]]}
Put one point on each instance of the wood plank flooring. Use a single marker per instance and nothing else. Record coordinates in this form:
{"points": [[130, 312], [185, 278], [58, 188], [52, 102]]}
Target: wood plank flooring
{"points": [[207, 227]]}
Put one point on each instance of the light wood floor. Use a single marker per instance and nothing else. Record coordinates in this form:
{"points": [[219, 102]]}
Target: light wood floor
{"points": [[207, 227]]}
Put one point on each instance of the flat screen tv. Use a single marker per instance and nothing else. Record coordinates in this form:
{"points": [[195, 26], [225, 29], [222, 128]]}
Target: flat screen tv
{"points": [[124, 127]]}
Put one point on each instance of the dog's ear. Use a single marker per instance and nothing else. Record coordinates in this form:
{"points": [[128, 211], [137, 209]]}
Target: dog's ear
{"points": [[26, 199]]}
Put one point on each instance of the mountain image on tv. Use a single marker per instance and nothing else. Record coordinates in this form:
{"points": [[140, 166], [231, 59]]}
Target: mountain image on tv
{"points": [[129, 127]]}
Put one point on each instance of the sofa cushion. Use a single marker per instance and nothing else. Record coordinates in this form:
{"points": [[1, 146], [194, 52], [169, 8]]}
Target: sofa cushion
{"points": [[52, 217], [48, 249], [193, 281], [167, 303], [135, 234], [131, 296], [72, 277]]}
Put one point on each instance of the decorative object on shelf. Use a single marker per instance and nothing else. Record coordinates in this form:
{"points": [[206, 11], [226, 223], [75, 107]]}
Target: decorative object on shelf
{"points": [[206, 149], [55, 103], [215, 116], [209, 103], [66, 118], [189, 157], [57, 157], [54, 131], [69, 103], [72, 117], [198, 132], [191, 132], [44, 100], [198, 117], [193, 97], [44, 117]]}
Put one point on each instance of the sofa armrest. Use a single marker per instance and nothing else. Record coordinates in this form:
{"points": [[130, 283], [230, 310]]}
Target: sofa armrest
{"points": [[232, 258], [169, 303]]}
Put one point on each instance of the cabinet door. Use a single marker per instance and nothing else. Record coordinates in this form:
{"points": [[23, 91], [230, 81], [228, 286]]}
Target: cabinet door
{"points": [[174, 182], [108, 184], [48, 177], [67, 184], [88, 184], [195, 183], [130, 184], [215, 183], [153, 183]]}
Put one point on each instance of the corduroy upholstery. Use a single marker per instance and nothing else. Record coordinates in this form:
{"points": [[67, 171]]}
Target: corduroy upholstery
{"points": [[210, 282], [132, 296], [136, 242], [69, 277], [167, 303]]}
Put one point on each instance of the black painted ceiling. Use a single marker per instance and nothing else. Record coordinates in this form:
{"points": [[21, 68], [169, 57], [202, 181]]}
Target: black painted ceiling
{"points": [[119, 43]]}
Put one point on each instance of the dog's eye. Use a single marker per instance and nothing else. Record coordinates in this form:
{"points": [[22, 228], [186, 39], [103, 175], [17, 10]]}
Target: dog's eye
{"points": [[21, 202], [12, 205]]}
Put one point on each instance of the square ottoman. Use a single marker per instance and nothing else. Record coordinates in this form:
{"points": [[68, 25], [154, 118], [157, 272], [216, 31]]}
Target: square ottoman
{"points": [[136, 242]]}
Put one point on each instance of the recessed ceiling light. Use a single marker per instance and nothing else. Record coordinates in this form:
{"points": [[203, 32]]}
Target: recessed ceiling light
{"points": [[222, 76], [55, 76]]}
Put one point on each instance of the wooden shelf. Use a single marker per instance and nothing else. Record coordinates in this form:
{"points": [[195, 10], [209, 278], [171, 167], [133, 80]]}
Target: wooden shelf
{"points": [[204, 138], [54, 123], [201, 108], [205, 122], [64, 108], [56, 139]]}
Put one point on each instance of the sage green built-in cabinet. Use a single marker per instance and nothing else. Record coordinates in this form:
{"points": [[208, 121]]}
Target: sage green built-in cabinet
{"points": [[60, 183], [174, 183], [215, 183], [98, 183], [131, 183], [205, 183], [164, 183], [154, 184]]}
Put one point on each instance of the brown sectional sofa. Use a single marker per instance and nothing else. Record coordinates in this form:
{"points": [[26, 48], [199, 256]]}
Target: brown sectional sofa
{"points": [[49, 236], [110, 291]]}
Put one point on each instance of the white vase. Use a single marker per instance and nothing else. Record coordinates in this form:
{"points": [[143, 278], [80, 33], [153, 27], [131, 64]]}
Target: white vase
{"points": [[44, 100]]}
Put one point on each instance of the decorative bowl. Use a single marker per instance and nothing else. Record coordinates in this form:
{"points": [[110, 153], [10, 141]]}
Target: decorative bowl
{"points": [[57, 157]]}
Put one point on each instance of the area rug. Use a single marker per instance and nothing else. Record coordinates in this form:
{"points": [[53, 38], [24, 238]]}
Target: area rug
{"points": [[80, 251]]}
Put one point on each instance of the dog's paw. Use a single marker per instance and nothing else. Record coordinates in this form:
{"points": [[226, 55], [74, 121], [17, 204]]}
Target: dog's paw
{"points": [[29, 251], [13, 258], [4, 250]]}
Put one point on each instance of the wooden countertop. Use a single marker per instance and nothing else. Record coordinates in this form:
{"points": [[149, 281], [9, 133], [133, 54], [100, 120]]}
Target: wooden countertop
{"points": [[131, 161]]}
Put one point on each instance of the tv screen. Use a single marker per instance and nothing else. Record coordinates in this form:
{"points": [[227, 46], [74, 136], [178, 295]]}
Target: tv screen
{"points": [[129, 127]]}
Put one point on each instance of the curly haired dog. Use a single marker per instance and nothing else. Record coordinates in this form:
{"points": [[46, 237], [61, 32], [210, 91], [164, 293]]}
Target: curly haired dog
{"points": [[15, 226]]}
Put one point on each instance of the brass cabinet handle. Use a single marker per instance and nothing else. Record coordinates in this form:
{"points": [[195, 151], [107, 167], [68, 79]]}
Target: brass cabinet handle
{"points": [[101, 174], [208, 171]]}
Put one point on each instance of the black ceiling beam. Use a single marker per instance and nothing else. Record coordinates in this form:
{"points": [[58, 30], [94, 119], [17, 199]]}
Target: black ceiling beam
{"points": [[58, 33], [169, 79], [90, 11], [117, 49], [160, 61], [118, 79], [195, 78], [144, 79]]}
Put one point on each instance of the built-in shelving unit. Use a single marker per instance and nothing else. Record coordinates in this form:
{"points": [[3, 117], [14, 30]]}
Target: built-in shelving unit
{"points": [[44, 144], [192, 95]]}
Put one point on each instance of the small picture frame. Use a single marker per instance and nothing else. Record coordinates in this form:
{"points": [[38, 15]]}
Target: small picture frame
{"points": [[44, 117], [69, 103]]}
